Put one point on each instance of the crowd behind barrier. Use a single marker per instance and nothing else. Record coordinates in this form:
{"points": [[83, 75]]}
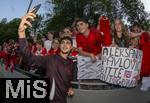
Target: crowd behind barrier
{"points": [[90, 46], [102, 93]]}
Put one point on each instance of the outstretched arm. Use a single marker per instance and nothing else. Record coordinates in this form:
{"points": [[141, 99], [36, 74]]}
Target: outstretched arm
{"points": [[135, 34]]}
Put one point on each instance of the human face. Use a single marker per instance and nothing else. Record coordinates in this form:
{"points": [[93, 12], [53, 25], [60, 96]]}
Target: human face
{"points": [[65, 46], [82, 27], [50, 36], [118, 26], [67, 32], [55, 44], [61, 34], [38, 46], [136, 29]]}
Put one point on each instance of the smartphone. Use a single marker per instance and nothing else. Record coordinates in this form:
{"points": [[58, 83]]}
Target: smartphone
{"points": [[36, 8]]}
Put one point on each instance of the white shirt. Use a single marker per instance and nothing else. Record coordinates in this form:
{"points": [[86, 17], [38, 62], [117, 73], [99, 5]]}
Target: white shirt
{"points": [[47, 45]]}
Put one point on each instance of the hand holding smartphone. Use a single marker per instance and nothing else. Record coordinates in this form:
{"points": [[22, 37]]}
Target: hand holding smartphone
{"points": [[26, 21], [35, 10]]}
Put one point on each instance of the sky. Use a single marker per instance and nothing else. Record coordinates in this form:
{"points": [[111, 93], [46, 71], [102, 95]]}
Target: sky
{"points": [[17, 8]]}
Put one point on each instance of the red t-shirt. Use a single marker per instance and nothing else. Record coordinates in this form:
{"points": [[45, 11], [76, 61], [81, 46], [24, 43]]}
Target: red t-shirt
{"points": [[52, 52], [42, 52], [145, 46], [92, 43]]}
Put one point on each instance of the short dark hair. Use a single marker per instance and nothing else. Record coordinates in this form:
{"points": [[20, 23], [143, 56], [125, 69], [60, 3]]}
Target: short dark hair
{"points": [[136, 24], [66, 38], [30, 40], [80, 19], [40, 42]]}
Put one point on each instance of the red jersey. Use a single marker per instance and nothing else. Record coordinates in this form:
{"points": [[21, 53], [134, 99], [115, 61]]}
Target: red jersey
{"points": [[92, 43], [145, 46], [53, 52], [41, 52]]}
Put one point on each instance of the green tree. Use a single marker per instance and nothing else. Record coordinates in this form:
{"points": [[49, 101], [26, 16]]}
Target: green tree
{"points": [[134, 11], [38, 26], [66, 10], [9, 29], [64, 13]]}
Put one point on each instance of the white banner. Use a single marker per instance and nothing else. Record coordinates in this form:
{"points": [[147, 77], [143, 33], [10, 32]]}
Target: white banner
{"points": [[120, 66], [87, 69]]}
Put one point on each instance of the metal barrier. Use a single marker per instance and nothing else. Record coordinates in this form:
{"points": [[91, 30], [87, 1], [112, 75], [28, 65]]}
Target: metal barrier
{"points": [[104, 94], [31, 75], [18, 73], [8, 74]]}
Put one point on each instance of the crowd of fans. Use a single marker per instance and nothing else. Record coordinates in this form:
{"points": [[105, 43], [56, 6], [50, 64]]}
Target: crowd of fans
{"points": [[87, 41]]}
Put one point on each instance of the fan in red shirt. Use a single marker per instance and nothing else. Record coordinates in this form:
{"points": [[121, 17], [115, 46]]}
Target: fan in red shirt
{"points": [[10, 55], [89, 41], [145, 46], [40, 48], [31, 45], [55, 47]]}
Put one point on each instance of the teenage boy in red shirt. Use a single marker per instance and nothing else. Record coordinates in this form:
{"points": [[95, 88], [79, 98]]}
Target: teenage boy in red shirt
{"points": [[89, 41]]}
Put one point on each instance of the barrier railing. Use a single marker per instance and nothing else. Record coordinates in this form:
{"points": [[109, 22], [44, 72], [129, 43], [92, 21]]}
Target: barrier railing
{"points": [[27, 73], [104, 93]]}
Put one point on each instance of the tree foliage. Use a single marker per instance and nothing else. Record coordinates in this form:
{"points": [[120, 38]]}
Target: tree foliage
{"points": [[65, 11], [38, 26], [8, 29]]}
